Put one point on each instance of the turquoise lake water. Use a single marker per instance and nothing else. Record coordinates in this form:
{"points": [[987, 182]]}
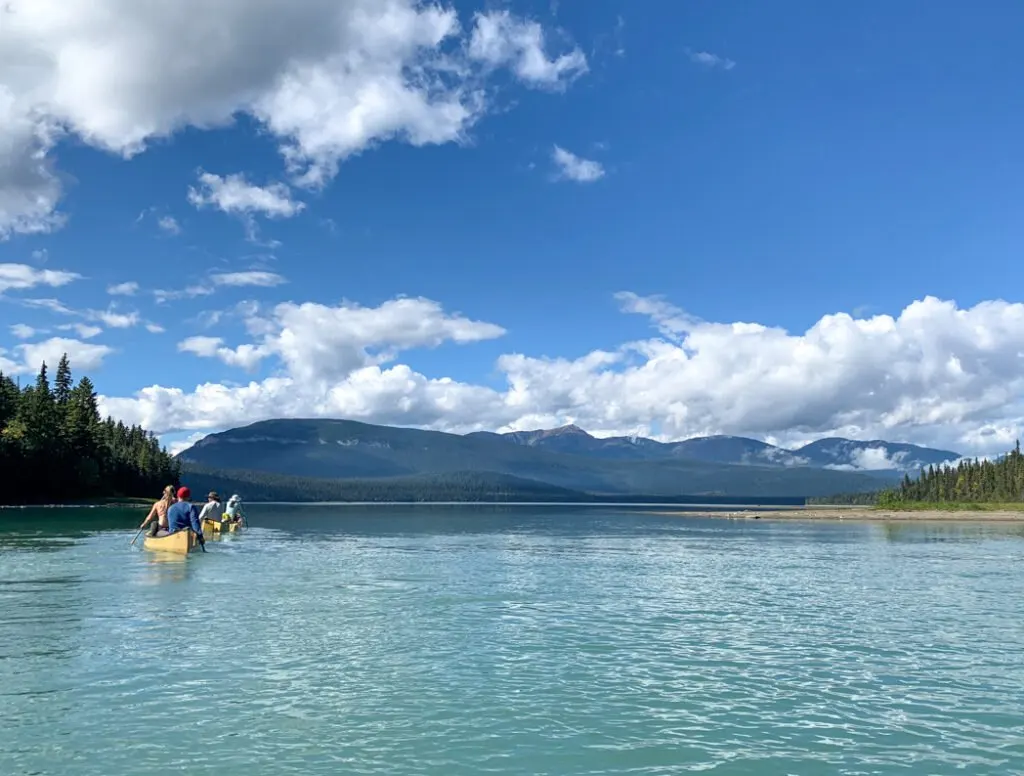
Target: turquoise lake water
{"points": [[511, 640]]}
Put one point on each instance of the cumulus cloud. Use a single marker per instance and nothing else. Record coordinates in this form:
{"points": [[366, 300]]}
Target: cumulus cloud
{"points": [[131, 288], [575, 168], [935, 374], [320, 344], [115, 320], [85, 356], [709, 60], [502, 40], [325, 79], [23, 276], [83, 330], [180, 445], [246, 356], [23, 331], [235, 195]]}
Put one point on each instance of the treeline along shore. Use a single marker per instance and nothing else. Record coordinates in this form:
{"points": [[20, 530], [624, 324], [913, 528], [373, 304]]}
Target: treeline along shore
{"points": [[55, 447], [970, 485]]}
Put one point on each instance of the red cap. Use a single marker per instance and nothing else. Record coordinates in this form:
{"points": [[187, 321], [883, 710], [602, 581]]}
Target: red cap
{"points": [[184, 493]]}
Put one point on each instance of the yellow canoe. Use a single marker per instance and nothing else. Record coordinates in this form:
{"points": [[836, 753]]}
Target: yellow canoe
{"points": [[215, 526], [180, 542]]}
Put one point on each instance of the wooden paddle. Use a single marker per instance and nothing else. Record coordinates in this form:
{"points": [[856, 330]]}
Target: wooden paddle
{"points": [[137, 536]]}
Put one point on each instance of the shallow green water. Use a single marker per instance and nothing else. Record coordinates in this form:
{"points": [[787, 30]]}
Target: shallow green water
{"points": [[512, 640]]}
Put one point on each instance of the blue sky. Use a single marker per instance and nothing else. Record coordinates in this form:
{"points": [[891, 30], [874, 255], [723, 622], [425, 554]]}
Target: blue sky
{"points": [[770, 164]]}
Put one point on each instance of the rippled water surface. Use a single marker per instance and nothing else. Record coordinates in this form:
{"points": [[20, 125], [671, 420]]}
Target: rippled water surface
{"points": [[518, 640]]}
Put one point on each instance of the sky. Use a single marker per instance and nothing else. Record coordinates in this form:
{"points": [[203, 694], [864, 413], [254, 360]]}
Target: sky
{"points": [[784, 221]]}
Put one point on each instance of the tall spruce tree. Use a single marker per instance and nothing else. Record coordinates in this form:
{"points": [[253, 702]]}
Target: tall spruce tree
{"points": [[54, 446], [62, 383]]}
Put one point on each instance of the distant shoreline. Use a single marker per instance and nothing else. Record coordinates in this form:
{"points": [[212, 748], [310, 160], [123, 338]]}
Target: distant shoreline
{"points": [[859, 514], [753, 511]]}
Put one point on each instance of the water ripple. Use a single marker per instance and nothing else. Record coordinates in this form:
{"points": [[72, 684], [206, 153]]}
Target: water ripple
{"points": [[566, 644]]}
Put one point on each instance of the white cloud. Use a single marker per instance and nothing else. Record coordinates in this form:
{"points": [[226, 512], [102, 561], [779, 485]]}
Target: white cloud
{"points": [[53, 305], [8, 367], [871, 459], [245, 356], [131, 288], [709, 60], [667, 318], [503, 40], [235, 195], [936, 374], [251, 278], [113, 319], [575, 168], [169, 225], [318, 343], [83, 356], [22, 276], [23, 331], [180, 445], [29, 189], [325, 79], [163, 295], [155, 328], [83, 330]]}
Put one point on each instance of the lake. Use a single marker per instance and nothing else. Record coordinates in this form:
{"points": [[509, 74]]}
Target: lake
{"points": [[510, 640]]}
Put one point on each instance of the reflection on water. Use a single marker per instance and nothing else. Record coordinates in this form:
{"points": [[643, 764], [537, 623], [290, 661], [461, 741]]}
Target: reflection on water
{"points": [[513, 641], [164, 567], [944, 531]]}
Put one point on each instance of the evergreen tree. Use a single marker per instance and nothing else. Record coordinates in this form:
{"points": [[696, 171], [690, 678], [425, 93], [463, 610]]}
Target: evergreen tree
{"points": [[968, 482], [62, 382], [54, 446]]}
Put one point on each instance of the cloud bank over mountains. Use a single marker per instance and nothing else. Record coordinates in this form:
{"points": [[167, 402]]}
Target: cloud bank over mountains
{"points": [[936, 375]]}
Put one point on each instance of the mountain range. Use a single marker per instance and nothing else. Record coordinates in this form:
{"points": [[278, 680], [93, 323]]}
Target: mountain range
{"points": [[562, 460], [834, 452]]}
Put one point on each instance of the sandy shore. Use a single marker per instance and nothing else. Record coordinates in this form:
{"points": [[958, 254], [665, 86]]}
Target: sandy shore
{"points": [[857, 514]]}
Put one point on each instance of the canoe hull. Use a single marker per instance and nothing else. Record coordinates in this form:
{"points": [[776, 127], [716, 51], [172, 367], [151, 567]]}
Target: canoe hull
{"points": [[214, 526], [179, 543]]}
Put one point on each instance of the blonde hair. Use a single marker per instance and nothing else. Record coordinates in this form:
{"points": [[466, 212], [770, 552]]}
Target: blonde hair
{"points": [[168, 494]]}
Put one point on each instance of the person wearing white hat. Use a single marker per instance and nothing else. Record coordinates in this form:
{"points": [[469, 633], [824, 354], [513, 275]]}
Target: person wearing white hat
{"points": [[234, 509]]}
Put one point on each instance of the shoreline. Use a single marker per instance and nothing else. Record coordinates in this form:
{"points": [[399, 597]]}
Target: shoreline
{"points": [[753, 511], [860, 514]]}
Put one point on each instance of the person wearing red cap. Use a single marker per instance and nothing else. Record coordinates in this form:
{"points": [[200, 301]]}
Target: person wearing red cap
{"points": [[184, 515]]}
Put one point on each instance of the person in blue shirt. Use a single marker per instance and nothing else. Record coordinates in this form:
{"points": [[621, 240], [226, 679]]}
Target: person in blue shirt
{"points": [[184, 515]]}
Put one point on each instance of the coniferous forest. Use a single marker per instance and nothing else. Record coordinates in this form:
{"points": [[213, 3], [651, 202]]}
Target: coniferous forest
{"points": [[55, 447], [969, 482]]}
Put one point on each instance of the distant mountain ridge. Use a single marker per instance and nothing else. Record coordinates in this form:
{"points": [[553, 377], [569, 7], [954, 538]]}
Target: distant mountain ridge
{"points": [[835, 452], [567, 458]]}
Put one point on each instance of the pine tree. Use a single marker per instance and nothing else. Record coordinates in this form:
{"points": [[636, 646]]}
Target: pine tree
{"points": [[62, 383], [54, 445]]}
